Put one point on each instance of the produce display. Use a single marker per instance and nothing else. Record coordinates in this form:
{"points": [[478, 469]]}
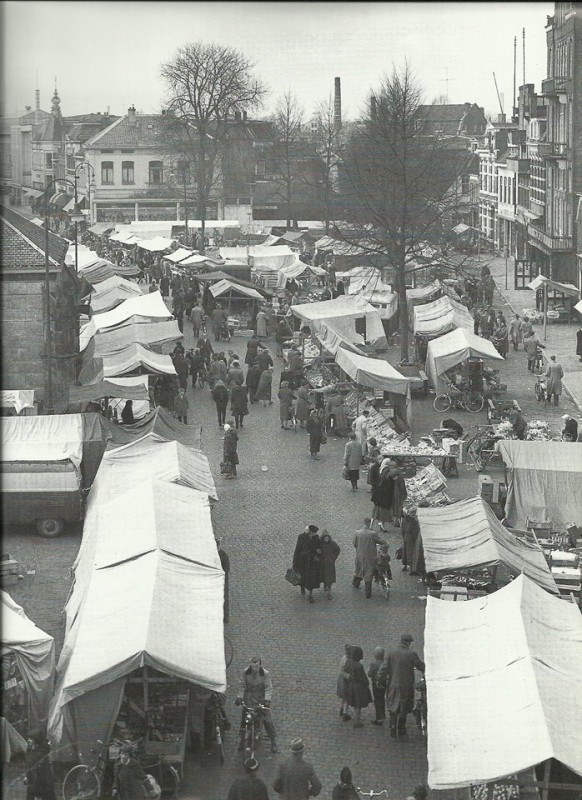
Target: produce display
{"points": [[537, 431], [428, 485]]}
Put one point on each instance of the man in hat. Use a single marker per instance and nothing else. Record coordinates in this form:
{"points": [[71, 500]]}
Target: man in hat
{"points": [[397, 674], [249, 786], [296, 778], [365, 541], [256, 690]]}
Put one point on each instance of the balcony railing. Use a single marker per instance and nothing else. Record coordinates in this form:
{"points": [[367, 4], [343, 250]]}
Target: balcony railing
{"points": [[548, 241], [556, 85], [554, 150]]}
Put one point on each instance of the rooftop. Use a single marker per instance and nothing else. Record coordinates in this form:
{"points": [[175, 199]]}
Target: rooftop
{"points": [[139, 130], [35, 235]]}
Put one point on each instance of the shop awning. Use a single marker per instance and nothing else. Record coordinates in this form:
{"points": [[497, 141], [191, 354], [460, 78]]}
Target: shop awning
{"points": [[371, 372], [468, 535], [60, 199], [227, 287], [565, 288], [452, 349], [544, 482], [504, 685], [55, 437], [71, 203], [26, 190], [155, 245], [178, 255], [298, 270], [441, 316], [97, 391]]}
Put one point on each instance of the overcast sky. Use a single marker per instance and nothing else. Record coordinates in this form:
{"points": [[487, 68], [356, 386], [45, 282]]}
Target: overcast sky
{"points": [[109, 54]]}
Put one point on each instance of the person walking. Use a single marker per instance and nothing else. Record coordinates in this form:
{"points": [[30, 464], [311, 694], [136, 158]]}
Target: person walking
{"points": [[181, 406], [234, 374], [516, 331], [330, 551], [501, 336], [196, 317], [378, 691], [579, 343], [238, 403], [264, 359], [296, 778], [261, 323], [256, 689], [128, 783], [182, 368], [383, 494], [530, 345], [410, 533], [220, 397], [302, 405], [286, 398], [218, 320], [196, 364], [204, 345], [554, 375], [217, 370], [397, 674], [252, 350], [308, 560], [341, 689], [345, 789], [127, 413], [352, 460], [336, 413], [360, 428], [252, 381], [229, 452], [249, 786], [314, 427], [365, 541], [358, 693], [264, 388], [164, 286]]}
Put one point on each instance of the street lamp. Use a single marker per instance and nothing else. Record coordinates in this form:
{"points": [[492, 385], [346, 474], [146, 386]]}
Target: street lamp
{"points": [[77, 215], [182, 165]]}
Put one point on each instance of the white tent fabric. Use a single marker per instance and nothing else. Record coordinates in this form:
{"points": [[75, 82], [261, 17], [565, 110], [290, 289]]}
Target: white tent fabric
{"points": [[578, 307], [372, 372], [140, 407], [544, 482], [505, 668], [178, 255], [339, 247], [565, 288], [194, 260], [452, 349], [224, 287], [111, 292], [467, 535], [43, 438], [274, 257], [298, 270], [17, 399], [155, 245], [34, 651], [124, 237], [339, 317], [134, 357], [149, 306], [235, 253], [85, 256], [113, 340], [441, 316]]}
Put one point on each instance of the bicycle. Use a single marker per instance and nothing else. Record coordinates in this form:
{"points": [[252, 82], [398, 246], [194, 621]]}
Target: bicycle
{"points": [[540, 389], [166, 775], [420, 707], [382, 578], [252, 729], [83, 782], [219, 724], [371, 793], [459, 398], [203, 377]]}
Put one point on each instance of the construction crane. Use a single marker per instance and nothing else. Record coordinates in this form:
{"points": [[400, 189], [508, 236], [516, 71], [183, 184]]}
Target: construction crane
{"points": [[498, 97]]}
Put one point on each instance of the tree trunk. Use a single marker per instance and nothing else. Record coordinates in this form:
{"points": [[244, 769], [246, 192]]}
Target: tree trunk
{"points": [[402, 308]]}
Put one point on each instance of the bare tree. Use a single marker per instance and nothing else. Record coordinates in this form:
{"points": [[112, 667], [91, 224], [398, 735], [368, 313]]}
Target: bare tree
{"points": [[206, 84], [329, 143], [289, 123], [398, 187]]}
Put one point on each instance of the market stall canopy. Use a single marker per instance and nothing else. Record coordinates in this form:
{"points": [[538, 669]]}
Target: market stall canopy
{"points": [[578, 307], [147, 306], [271, 240], [226, 287], [461, 228], [155, 245], [334, 321], [179, 255], [236, 253], [140, 407], [467, 535], [194, 260], [124, 237], [339, 247], [34, 651], [452, 349], [544, 482], [219, 275], [273, 258], [372, 372], [159, 421], [564, 288], [55, 437], [101, 228], [506, 668], [298, 270], [111, 292], [17, 399], [441, 316], [133, 357], [97, 391], [100, 270], [149, 334]]}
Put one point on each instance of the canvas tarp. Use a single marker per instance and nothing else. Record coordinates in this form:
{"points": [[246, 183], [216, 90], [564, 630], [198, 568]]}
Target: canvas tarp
{"points": [[97, 391], [544, 482], [228, 287], [17, 399], [178, 255], [34, 651], [97, 271], [111, 292], [101, 228], [140, 407], [339, 317], [441, 316], [159, 421], [146, 306], [54, 437], [125, 237], [155, 245], [133, 357], [158, 610], [133, 331], [194, 260], [298, 270], [564, 288], [273, 258], [504, 685], [372, 372], [468, 535], [452, 349], [235, 253]]}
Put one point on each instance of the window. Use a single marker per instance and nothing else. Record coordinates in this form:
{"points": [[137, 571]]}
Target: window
{"points": [[107, 172], [156, 173], [127, 176], [49, 160], [70, 162]]}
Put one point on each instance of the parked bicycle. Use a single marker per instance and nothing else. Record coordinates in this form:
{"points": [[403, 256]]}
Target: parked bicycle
{"points": [[252, 729], [371, 793], [83, 782], [459, 398], [540, 389]]}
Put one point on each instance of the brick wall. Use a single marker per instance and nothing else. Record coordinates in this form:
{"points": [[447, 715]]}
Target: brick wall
{"points": [[22, 309]]}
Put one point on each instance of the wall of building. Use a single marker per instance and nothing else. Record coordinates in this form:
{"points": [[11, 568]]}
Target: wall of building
{"points": [[22, 309]]}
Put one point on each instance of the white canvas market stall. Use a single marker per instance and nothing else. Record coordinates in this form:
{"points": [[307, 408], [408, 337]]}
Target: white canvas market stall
{"points": [[341, 320], [441, 316], [131, 358], [504, 685], [544, 482], [271, 258], [375, 373], [28, 664], [148, 307], [468, 535], [163, 425], [56, 437], [18, 399], [234, 290], [156, 245], [298, 270], [452, 349], [111, 292]]}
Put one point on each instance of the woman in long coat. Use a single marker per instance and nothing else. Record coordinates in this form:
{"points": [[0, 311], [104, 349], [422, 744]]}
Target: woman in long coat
{"points": [[330, 550], [252, 348], [383, 495], [286, 398], [302, 407], [358, 693], [335, 407], [264, 388], [308, 560], [261, 323], [399, 495], [230, 455], [353, 459], [238, 403], [554, 375], [314, 427], [410, 531]]}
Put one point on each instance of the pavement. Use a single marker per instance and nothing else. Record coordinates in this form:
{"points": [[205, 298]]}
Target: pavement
{"points": [[259, 516]]}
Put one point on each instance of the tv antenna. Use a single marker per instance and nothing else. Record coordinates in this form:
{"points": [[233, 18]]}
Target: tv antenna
{"points": [[446, 80]]}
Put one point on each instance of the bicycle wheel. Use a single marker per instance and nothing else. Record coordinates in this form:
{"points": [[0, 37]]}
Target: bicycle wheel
{"points": [[474, 403], [228, 652], [442, 402], [218, 732], [81, 783], [170, 781]]}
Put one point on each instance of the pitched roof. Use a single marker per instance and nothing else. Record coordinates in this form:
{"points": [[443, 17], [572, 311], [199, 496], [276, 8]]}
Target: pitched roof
{"points": [[82, 131], [446, 112], [35, 235], [144, 133]]}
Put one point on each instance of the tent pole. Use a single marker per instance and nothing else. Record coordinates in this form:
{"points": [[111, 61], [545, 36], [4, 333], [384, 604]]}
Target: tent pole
{"points": [[546, 790]]}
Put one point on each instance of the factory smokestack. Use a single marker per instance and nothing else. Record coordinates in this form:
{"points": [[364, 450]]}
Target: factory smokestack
{"points": [[37, 107], [337, 104]]}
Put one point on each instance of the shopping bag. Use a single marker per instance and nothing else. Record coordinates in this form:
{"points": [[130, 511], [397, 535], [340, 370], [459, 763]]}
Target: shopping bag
{"points": [[225, 468], [293, 577], [346, 473]]}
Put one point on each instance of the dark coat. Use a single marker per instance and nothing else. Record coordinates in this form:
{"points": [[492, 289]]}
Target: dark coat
{"points": [[296, 780], [302, 408], [286, 398], [314, 427], [230, 444], [264, 388], [383, 492], [264, 359], [343, 791], [330, 551], [129, 781], [220, 395], [397, 673], [410, 531], [253, 378], [308, 560], [251, 354], [249, 787], [579, 342], [357, 684], [39, 774], [238, 400]]}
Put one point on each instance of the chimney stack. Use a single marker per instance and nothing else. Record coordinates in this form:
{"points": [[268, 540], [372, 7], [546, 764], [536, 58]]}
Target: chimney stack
{"points": [[131, 116], [237, 116], [337, 104], [244, 113]]}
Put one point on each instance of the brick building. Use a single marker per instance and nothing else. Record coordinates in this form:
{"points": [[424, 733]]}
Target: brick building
{"points": [[23, 306], [450, 119]]}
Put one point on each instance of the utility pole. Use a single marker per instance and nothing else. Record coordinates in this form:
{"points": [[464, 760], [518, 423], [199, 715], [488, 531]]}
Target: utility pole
{"points": [[514, 72]]}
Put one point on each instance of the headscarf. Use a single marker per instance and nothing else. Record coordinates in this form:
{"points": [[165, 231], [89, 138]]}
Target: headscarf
{"points": [[386, 462]]}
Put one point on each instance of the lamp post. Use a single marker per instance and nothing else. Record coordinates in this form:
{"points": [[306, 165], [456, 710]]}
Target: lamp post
{"points": [[182, 166], [77, 216]]}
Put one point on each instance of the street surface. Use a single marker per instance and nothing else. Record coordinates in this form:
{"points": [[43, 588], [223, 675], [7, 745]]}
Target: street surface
{"points": [[259, 516]]}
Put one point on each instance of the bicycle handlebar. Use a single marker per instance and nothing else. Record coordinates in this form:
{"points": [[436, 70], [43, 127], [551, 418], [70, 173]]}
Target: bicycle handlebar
{"points": [[371, 793], [255, 708]]}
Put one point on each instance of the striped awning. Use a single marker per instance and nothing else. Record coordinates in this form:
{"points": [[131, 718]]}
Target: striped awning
{"points": [[60, 199]]}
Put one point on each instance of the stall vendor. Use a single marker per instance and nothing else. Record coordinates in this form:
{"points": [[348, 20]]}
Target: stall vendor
{"points": [[454, 427], [518, 423], [570, 429]]}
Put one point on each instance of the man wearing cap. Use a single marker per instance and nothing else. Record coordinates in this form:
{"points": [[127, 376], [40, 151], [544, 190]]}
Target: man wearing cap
{"points": [[296, 778], [249, 786], [255, 690], [397, 674]]}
